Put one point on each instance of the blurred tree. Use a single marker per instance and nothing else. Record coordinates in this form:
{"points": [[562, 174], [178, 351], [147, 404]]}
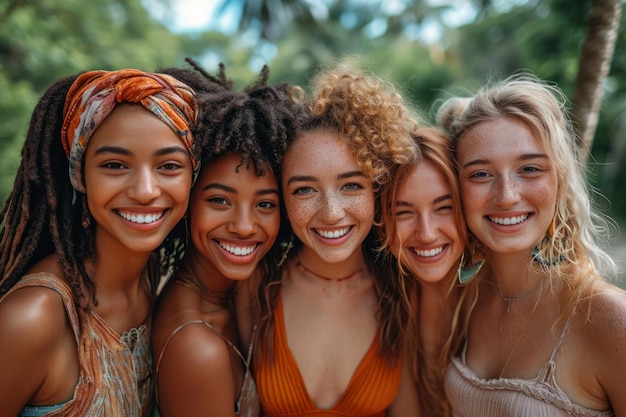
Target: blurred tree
{"points": [[43, 40]]}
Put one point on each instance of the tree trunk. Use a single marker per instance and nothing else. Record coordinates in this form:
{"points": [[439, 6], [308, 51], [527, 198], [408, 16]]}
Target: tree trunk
{"points": [[593, 67]]}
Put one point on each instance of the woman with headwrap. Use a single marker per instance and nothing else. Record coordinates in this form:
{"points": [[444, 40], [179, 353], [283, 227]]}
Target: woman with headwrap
{"points": [[76, 295]]}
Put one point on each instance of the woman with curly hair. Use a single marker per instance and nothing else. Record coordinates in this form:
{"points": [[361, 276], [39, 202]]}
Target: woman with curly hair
{"points": [[234, 221], [332, 322], [77, 297], [547, 335]]}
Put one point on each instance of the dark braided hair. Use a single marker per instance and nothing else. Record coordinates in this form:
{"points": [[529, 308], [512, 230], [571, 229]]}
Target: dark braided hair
{"points": [[43, 215], [257, 123]]}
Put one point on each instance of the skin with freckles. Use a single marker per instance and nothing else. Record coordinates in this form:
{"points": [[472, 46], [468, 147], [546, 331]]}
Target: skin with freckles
{"points": [[428, 241], [507, 186], [329, 201], [340, 303], [425, 232], [527, 202]]}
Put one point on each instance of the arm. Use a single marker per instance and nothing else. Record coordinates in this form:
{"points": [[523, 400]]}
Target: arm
{"points": [[610, 319], [195, 376], [38, 352]]}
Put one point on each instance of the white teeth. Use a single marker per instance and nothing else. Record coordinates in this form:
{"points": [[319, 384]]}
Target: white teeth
{"points": [[429, 253], [508, 220], [237, 250], [141, 218], [333, 235]]}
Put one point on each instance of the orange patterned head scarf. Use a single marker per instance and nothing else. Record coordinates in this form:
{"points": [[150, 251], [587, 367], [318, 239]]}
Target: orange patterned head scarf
{"points": [[94, 95]]}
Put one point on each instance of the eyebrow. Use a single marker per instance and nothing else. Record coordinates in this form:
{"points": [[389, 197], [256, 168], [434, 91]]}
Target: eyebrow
{"points": [[123, 151], [524, 157], [228, 189], [343, 176], [402, 203]]}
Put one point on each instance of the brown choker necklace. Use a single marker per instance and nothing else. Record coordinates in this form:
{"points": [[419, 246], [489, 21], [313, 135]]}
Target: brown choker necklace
{"points": [[315, 274]]}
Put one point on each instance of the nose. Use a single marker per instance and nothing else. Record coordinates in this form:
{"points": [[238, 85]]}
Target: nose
{"points": [[425, 229], [332, 209], [144, 186], [244, 223], [507, 192]]}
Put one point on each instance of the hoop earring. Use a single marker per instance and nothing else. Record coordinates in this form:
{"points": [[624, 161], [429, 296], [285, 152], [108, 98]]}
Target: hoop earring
{"points": [[286, 248], [467, 274]]}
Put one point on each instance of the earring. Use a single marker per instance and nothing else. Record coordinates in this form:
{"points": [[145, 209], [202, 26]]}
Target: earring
{"points": [[466, 274], [536, 253], [286, 248], [86, 215]]}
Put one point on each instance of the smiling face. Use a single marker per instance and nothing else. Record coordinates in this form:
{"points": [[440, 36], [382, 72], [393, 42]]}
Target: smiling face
{"points": [[508, 185], [234, 217], [329, 201], [137, 177], [427, 240]]}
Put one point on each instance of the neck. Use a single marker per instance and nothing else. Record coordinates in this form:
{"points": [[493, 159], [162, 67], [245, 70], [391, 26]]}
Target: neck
{"points": [[312, 266], [205, 280], [328, 278]]}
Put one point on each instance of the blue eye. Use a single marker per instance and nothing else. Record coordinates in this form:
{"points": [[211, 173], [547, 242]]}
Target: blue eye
{"points": [[303, 190]]}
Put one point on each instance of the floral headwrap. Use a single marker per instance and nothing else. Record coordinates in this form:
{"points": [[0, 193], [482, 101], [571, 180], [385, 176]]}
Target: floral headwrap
{"points": [[94, 95]]}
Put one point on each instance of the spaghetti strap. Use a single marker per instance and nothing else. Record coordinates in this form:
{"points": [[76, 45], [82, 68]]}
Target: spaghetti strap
{"points": [[177, 330]]}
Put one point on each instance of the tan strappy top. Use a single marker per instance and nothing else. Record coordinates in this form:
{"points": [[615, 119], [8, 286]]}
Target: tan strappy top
{"points": [[115, 370], [471, 396]]}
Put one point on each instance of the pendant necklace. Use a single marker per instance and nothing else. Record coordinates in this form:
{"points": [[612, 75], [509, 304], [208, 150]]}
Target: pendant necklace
{"points": [[508, 299]]}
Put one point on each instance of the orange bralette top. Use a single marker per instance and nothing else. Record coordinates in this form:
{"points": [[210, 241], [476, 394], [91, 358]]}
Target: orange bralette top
{"points": [[371, 390]]}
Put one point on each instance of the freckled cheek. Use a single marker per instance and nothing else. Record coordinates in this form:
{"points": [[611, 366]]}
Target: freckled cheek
{"points": [[362, 208], [300, 213]]}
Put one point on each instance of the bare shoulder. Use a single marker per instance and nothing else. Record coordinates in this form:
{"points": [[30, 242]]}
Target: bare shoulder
{"points": [[33, 331], [198, 356], [604, 336], [606, 310], [196, 349], [33, 316]]}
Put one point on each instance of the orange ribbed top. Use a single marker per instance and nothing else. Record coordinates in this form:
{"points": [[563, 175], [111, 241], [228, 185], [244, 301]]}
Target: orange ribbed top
{"points": [[371, 390]]}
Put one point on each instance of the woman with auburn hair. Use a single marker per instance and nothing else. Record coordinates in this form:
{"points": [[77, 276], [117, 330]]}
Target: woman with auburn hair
{"points": [[425, 231], [332, 321]]}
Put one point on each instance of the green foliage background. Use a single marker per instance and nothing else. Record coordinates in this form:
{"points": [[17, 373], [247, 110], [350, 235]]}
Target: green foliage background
{"points": [[42, 40]]}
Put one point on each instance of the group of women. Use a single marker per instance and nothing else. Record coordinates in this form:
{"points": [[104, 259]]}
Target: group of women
{"points": [[280, 253]]}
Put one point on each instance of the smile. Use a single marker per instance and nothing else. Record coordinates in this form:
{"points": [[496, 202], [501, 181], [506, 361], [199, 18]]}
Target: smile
{"points": [[429, 253], [141, 218], [237, 250], [333, 234], [508, 220]]}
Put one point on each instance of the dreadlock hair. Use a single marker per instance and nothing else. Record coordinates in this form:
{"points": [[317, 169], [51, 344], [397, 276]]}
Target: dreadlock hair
{"points": [[256, 123], [43, 214]]}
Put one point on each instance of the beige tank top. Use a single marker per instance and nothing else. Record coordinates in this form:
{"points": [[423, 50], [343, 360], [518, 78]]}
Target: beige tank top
{"points": [[471, 396]]}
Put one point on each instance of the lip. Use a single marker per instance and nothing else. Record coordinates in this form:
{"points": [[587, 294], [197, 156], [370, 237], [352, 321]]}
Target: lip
{"points": [[508, 222], [332, 236], [241, 252], [142, 218], [440, 252]]}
